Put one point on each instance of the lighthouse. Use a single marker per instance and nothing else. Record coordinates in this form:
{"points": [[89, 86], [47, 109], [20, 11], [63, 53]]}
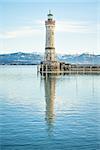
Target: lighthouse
{"points": [[50, 45], [49, 64]]}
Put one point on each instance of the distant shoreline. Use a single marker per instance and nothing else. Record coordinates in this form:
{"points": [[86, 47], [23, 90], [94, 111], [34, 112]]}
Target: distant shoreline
{"points": [[39, 64], [18, 64]]}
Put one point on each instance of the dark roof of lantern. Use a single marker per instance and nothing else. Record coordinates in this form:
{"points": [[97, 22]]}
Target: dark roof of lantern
{"points": [[50, 14]]}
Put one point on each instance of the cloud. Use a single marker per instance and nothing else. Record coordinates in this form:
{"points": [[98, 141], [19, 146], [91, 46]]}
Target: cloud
{"points": [[76, 27], [61, 26], [21, 32]]}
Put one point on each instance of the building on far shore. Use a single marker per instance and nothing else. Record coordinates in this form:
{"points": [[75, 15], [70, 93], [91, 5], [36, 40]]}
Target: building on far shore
{"points": [[50, 65]]}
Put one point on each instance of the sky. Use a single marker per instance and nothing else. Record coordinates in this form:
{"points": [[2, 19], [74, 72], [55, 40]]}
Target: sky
{"points": [[22, 25]]}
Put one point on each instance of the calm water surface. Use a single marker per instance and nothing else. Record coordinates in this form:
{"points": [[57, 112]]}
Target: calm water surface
{"points": [[57, 113]]}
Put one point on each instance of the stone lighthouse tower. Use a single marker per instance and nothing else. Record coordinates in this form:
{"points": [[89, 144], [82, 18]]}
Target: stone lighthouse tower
{"points": [[50, 64], [49, 45]]}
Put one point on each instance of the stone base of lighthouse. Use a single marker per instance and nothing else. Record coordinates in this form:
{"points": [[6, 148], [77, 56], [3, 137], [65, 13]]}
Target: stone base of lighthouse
{"points": [[49, 67]]}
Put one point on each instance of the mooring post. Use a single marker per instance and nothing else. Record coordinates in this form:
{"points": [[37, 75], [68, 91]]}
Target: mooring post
{"points": [[38, 68], [90, 69], [46, 71], [42, 69]]}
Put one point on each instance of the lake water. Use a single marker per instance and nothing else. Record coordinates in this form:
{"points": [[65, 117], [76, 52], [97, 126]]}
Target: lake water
{"points": [[56, 113]]}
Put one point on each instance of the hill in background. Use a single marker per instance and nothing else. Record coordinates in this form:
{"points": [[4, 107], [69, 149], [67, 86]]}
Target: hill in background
{"points": [[35, 58]]}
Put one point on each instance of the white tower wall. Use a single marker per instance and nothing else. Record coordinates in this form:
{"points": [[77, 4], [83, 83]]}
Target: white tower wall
{"points": [[49, 45], [50, 36]]}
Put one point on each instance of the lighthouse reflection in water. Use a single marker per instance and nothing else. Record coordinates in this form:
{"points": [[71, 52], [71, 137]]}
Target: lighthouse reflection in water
{"points": [[49, 85]]}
